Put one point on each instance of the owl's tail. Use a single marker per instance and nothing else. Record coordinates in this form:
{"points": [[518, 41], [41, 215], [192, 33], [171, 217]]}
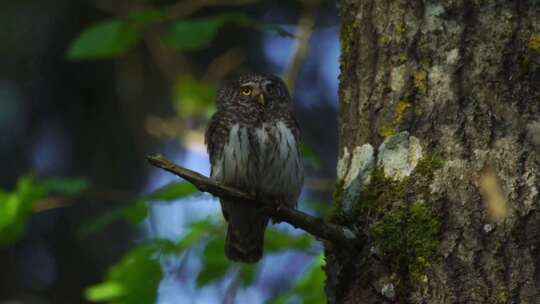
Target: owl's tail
{"points": [[245, 233]]}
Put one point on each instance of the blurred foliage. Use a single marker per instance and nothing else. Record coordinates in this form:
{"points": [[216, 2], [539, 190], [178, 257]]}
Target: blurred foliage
{"points": [[135, 279], [197, 34], [114, 37], [143, 269], [216, 264], [309, 156], [105, 39], [65, 186], [137, 210], [194, 98], [322, 208], [17, 206], [310, 288]]}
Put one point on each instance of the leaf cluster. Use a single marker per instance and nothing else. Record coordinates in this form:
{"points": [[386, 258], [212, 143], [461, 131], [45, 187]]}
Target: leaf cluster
{"points": [[17, 206]]}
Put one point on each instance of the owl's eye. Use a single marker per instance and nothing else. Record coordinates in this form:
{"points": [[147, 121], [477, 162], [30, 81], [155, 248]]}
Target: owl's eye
{"points": [[246, 91]]}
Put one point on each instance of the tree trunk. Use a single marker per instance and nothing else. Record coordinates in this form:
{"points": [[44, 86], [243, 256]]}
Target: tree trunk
{"points": [[439, 165]]}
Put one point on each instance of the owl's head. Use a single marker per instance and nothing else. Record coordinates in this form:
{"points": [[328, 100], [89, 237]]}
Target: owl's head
{"points": [[262, 91]]}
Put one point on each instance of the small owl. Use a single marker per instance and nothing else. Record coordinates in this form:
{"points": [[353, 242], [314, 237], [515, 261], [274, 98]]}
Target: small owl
{"points": [[253, 143]]}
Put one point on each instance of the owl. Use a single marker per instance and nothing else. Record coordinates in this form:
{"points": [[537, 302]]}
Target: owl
{"points": [[253, 144]]}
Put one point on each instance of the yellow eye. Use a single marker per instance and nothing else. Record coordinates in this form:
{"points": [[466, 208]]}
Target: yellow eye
{"points": [[246, 91]]}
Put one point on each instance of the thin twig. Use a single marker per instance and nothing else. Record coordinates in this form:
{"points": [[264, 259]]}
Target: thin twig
{"points": [[316, 226], [56, 202], [306, 26]]}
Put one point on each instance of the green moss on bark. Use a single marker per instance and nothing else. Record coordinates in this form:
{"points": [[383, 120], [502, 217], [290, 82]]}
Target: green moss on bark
{"points": [[408, 238], [404, 225], [402, 221], [338, 214]]}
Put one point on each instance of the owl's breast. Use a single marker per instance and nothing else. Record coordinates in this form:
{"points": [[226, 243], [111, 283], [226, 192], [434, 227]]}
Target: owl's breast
{"points": [[264, 159], [280, 166]]}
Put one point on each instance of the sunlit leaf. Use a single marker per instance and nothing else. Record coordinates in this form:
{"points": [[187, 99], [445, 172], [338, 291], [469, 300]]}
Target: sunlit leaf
{"points": [[276, 240], [105, 39], [135, 279], [16, 207], [105, 291], [215, 265]]}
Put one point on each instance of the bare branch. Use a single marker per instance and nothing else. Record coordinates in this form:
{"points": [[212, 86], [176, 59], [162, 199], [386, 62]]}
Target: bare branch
{"points": [[333, 233]]}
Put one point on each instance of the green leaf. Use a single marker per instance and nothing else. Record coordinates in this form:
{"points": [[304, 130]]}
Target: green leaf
{"points": [[276, 240], [146, 17], [137, 210], [136, 213], [309, 156], [197, 34], [215, 265], [16, 208], [192, 97], [310, 287], [135, 279], [197, 232], [105, 291], [63, 186], [247, 273], [103, 40], [244, 20], [171, 192], [192, 34], [98, 223]]}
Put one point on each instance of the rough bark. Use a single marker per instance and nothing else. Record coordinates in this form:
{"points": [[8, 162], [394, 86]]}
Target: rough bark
{"points": [[439, 152]]}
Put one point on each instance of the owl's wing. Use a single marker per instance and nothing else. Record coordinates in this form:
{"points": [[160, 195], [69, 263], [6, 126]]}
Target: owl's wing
{"points": [[215, 136], [293, 125]]}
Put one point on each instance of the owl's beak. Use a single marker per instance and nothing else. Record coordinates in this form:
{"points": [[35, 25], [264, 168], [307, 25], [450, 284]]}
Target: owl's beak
{"points": [[261, 99]]}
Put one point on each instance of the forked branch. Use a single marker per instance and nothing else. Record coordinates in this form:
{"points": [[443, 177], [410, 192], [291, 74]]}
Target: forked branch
{"points": [[333, 233]]}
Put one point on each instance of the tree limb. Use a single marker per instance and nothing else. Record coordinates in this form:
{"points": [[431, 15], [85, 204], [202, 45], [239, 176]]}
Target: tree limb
{"points": [[333, 233]]}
